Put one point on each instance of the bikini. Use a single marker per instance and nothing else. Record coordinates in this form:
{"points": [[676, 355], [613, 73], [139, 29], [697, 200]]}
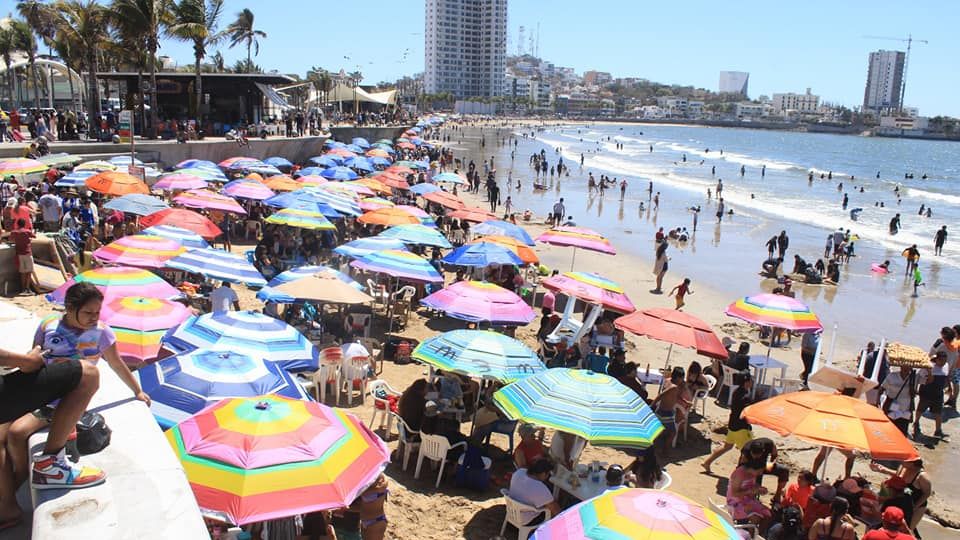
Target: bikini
{"points": [[369, 498]]}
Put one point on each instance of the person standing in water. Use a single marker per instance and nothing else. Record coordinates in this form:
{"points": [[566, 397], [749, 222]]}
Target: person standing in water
{"points": [[623, 188], [720, 208], [895, 224], [719, 188], [743, 170], [939, 239]]}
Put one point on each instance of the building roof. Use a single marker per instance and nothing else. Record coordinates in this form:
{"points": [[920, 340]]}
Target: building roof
{"points": [[263, 78]]}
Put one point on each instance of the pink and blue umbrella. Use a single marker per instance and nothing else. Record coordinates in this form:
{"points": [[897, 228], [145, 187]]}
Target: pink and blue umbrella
{"points": [[326, 161], [480, 353], [362, 247], [479, 301], [187, 238], [399, 264], [247, 189], [417, 234]]}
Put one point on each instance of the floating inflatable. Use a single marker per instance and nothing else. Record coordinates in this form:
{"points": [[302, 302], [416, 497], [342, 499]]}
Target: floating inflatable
{"points": [[875, 267]]}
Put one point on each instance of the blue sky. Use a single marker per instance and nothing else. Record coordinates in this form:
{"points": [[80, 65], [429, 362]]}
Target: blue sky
{"points": [[785, 47]]}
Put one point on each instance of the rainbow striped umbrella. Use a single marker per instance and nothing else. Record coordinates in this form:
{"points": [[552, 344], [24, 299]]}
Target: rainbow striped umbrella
{"points": [[218, 264], [345, 205], [186, 237], [202, 198], [577, 237], [347, 190], [183, 385], [480, 353], [143, 250], [196, 163], [140, 323], [253, 333], [21, 166], [180, 181], [399, 264], [270, 294], [591, 405], [479, 301], [269, 457], [591, 288], [240, 162], [637, 514], [247, 189], [119, 281], [777, 311], [302, 219], [311, 180], [361, 247]]}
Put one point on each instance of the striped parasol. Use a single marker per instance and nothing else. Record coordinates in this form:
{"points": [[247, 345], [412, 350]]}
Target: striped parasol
{"points": [[480, 353], [270, 294], [482, 254], [503, 228], [75, 179], [339, 173], [399, 264], [140, 323], [97, 165], [181, 386], [375, 203], [183, 218], [21, 166], [282, 183], [590, 405], [348, 190], [116, 184], [591, 288], [445, 199], [210, 175], [301, 219], [577, 237], [247, 189], [417, 234], [144, 250], [196, 163], [270, 457], [218, 264], [345, 205], [518, 248], [479, 301], [119, 281], [137, 203], [361, 247], [775, 310], [180, 181], [310, 180], [187, 238], [202, 198], [252, 332], [450, 177]]}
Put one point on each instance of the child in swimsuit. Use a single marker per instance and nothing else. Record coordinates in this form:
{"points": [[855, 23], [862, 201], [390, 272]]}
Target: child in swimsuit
{"points": [[373, 520]]}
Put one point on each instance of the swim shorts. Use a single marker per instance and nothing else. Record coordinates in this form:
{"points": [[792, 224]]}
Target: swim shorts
{"points": [[22, 392], [739, 437]]}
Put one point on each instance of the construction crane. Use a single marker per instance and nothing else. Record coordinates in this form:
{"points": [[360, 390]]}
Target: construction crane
{"points": [[903, 81]]}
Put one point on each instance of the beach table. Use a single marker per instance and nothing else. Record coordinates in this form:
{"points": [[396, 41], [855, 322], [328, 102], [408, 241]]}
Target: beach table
{"points": [[593, 485], [760, 364], [650, 377]]}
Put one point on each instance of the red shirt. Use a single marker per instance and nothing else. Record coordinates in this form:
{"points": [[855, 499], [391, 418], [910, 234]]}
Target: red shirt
{"points": [[796, 495], [531, 451], [884, 534], [22, 241]]}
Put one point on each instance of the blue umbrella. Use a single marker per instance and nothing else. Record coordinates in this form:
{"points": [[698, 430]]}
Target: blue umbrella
{"points": [[362, 247], [309, 171], [210, 175], [245, 164], [380, 161], [218, 264], [137, 203], [125, 161], [449, 177], [340, 204], [303, 200], [193, 163], [334, 144], [361, 142], [76, 179], [503, 228], [278, 162], [385, 146], [359, 163], [424, 188], [326, 161], [180, 386], [270, 294], [354, 148], [417, 234], [482, 254], [480, 353], [254, 333], [265, 170], [187, 238], [339, 173]]}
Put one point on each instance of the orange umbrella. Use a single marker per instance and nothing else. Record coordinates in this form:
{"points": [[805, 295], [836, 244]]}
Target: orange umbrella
{"points": [[444, 198], [389, 217], [518, 248], [399, 169], [475, 214], [283, 183], [394, 182], [343, 152], [378, 152], [375, 185], [832, 420], [254, 176], [116, 183]]}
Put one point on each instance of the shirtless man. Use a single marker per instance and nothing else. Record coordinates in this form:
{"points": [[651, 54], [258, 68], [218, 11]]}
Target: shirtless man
{"points": [[664, 404]]}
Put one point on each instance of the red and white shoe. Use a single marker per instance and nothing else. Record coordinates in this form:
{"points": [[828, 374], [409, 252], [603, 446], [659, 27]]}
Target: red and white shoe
{"points": [[55, 472]]}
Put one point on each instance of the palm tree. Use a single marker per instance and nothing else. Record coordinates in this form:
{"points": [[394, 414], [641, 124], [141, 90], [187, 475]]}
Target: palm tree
{"points": [[84, 24], [7, 47], [67, 51], [242, 31], [39, 16], [196, 21], [26, 42], [219, 64]]}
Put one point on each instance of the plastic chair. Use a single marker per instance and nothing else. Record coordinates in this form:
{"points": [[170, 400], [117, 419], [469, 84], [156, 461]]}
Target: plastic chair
{"points": [[701, 395], [728, 374], [503, 427], [354, 373], [408, 439], [679, 412], [381, 405], [785, 385], [514, 516], [376, 350], [435, 448], [380, 295], [327, 374]]}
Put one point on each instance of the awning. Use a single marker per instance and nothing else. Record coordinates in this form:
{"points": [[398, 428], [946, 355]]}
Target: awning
{"points": [[273, 96], [342, 92]]}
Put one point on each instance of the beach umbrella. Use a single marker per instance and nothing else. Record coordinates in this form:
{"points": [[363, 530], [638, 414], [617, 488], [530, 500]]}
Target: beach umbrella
{"points": [[404, 145], [502, 228], [247, 189], [337, 189], [270, 293], [361, 142], [179, 181], [344, 205], [445, 199], [474, 214], [96, 165], [577, 237], [383, 142], [425, 218], [380, 161], [75, 179], [330, 143], [354, 148], [591, 405], [388, 217], [311, 180], [482, 254], [591, 288], [125, 161], [217, 264], [231, 161], [353, 187], [479, 353], [21, 166], [415, 165], [339, 173], [397, 168], [251, 332], [305, 202], [192, 163], [117, 282], [479, 301], [301, 219], [185, 219], [834, 420], [775, 310], [143, 250], [343, 152], [59, 160], [399, 264], [282, 183], [378, 152], [676, 328], [270, 457], [278, 162], [518, 248], [181, 386], [453, 178], [325, 161], [186, 238], [263, 169], [417, 234], [322, 288], [208, 200], [139, 324], [392, 181], [359, 163], [374, 184], [629, 514], [424, 188], [375, 203], [116, 184], [137, 203], [362, 247]]}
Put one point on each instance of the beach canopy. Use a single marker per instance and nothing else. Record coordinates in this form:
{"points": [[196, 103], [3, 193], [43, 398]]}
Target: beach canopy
{"points": [[279, 162], [140, 323], [416, 234], [424, 188], [518, 248], [180, 181], [269, 457], [833, 420], [75, 179], [96, 165], [144, 250], [283, 182], [118, 281], [322, 288], [375, 203], [479, 353], [270, 293], [192, 163], [218, 264], [185, 219], [116, 184], [326, 161], [252, 332], [482, 254], [503, 228], [631, 514], [453, 178], [674, 327], [303, 199], [187, 238], [399, 264], [137, 203], [591, 405], [480, 301], [591, 288], [339, 173], [208, 200], [181, 386], [577, 237], [775, 310], [301, 219]]}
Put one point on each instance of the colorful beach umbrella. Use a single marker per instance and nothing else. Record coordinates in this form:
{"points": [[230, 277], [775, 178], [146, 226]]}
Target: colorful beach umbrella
{"points": [[577, 237], [96, 165], [479, 353], [474, 214], [239, 162], [399, 264], [192, 163], [208, 200], [210, 175], [283, 183], [591, 405], [445, 199], [361, 142], [21, 166], [311, 180], [186, 238], [125, 161], [361, 247], [482, 254], [269, 457], [185, 219], [137, 203], [518, 248], [350, 189], [75, 179], [833, 420], [450, 177], [253, 333], [326, 161], [301, 219], [375, 203], [359, 163], [480, 301], [270, 294], [183, 385], [117, 282], [676, 328], [377, 152], [180, 181], [339, 173], [375, 185], [591, 288], [217, 264], [775, 310], [417, 234], [341, 204], [637, 514], [502, 228], [139, 324], [424, 188], [247, 189], [278, 162], [388, 217], [59, 160], [322, 288], [142, 250], [116, 184]]}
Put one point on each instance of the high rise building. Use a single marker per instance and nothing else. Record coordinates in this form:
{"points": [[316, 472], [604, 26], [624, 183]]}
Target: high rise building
{"points": [[734, 82], [466, 47], [884, 81]]}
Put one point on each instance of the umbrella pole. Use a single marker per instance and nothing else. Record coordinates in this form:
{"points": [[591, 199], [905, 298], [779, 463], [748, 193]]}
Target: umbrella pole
{"points": [[476, 407], [574, 258]]}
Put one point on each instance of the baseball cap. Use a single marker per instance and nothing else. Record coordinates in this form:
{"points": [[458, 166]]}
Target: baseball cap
{"points": [[892, 514]]}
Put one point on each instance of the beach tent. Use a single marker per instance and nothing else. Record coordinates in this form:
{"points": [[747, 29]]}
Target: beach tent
{"points": [[342, 92]]}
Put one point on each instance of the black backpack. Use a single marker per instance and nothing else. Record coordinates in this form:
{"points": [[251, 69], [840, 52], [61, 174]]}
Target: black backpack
{"points": [[93, 434]]}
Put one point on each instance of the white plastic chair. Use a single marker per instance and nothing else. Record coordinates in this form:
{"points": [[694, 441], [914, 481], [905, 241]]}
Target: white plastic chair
{"points": [[354, 373], [435, 448], [701, 395], [380, 295], [327, 374], [381, 406], [728, 374], [785, 385], [514, 516], [408, 439]]}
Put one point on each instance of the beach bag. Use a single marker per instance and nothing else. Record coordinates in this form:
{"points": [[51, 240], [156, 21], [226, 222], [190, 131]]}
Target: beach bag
{"points": [[93, 434], [472, 473]]}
